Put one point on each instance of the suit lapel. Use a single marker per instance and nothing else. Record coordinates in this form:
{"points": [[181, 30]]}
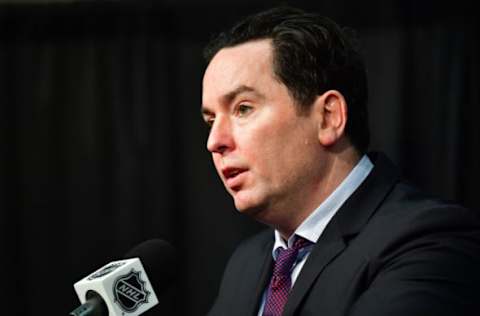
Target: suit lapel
{"points": [[322, 254], [260, 272], [263, 281], [348, 222]]}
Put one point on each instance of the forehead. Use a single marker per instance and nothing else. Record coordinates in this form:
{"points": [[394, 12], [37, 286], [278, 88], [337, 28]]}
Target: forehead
{"points": [[248, 64]]}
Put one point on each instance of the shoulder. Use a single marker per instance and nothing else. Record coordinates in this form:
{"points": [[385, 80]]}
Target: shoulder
{"points": [[404, 207], [248, 256], [242, 273], [408, 208], [256, 245], [406, 221], [419, 249], [411, 226]]}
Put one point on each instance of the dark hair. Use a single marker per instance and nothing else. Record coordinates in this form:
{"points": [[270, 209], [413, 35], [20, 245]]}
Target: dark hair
{"points": [[311, 55]]}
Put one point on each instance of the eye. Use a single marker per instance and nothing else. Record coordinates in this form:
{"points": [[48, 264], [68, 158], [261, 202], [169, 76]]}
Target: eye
{"points": [[209, 121], [243, 109]]}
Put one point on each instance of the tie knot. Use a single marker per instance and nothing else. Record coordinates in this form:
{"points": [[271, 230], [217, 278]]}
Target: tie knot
{"points": [[300, 243], [287, 257]]}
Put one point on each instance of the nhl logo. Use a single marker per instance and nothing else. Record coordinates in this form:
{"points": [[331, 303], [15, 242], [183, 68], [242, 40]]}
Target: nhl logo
{"points": [[106, 270], [130, 291]]}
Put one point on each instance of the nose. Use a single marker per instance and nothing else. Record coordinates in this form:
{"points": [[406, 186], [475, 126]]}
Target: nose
{"points": [[220, 139]]}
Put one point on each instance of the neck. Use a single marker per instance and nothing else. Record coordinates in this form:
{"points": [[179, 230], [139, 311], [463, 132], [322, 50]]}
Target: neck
{"points": [[338, 165]]}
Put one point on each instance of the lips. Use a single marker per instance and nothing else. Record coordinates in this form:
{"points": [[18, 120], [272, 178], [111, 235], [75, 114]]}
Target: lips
{"points": [[233, 176], [231, 172]]}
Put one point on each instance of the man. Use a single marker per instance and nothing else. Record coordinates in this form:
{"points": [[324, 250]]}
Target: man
{"points": [[285, 96]]}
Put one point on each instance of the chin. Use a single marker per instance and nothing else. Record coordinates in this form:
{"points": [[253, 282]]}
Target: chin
{"points": [[250, 207], [242, 203], [244, 208]]}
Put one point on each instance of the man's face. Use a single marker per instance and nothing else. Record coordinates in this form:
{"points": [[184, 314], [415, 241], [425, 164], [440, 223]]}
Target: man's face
{"points": [[267, 155]]}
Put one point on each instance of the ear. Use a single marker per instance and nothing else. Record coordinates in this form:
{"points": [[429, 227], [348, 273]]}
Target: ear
{"points": [[331, 110]]}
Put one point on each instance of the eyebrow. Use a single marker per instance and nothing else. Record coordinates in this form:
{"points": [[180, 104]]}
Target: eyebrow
{"points": [[228, 97], [241, 89]]}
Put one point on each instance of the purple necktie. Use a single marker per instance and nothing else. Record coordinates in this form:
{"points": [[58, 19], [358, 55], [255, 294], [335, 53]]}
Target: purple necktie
{"points": [[281, 281]]}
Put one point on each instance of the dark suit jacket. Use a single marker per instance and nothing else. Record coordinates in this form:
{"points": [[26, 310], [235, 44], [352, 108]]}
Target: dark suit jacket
{"points": [[389, 250]]}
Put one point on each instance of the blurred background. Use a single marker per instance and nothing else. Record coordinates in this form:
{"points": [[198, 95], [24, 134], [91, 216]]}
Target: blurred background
{"points": [[103, 146]]}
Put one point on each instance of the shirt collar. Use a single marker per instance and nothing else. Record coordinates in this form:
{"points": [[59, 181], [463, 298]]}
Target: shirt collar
{"points": [[313, 226]]}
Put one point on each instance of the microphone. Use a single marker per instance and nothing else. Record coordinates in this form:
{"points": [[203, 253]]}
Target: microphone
{"points": [[122, 288]]}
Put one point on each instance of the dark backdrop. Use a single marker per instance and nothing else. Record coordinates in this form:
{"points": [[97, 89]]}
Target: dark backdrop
{"points": [[103, 146]]}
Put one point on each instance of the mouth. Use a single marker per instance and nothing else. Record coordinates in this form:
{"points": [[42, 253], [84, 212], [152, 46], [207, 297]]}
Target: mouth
{"points": [[233, 177]]}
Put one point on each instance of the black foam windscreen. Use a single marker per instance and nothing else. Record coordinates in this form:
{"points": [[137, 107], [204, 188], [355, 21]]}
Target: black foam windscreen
{"points": [[158, 258]]}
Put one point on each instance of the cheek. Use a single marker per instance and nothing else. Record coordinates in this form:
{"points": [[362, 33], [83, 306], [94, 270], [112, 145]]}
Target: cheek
{"points": [[290, 152], [275, 145], [267, 152]]}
